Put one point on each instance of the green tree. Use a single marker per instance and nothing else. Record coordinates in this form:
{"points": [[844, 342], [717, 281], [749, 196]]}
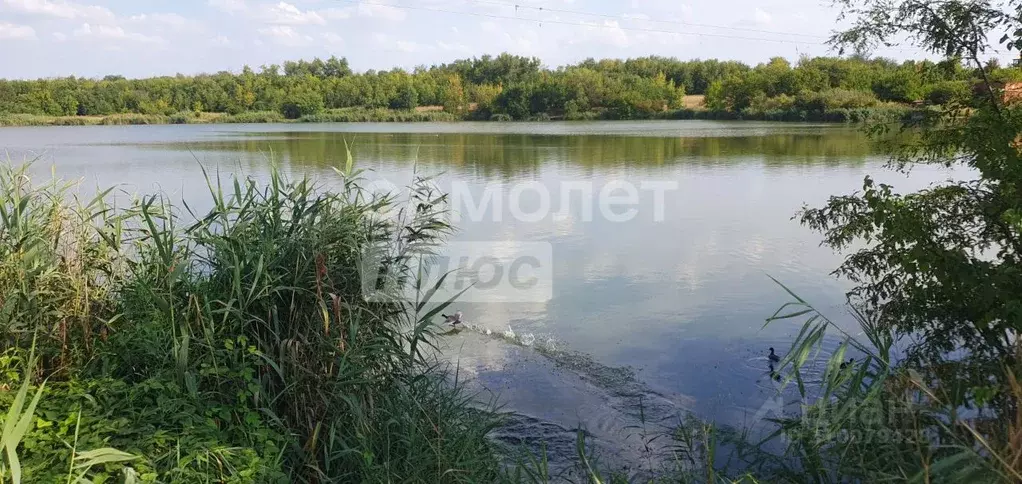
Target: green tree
{"points": [[901, 86], [515, 101], [406, 98], [943, 265], [301, 102], [452, 94]]}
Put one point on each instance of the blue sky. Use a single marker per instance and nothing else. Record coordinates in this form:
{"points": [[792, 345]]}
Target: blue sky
{"points": [[46, 38]]}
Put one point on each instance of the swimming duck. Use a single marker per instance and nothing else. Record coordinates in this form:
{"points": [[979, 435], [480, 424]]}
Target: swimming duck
{"points": [[454, 320], [772, 357], [848, 363]]}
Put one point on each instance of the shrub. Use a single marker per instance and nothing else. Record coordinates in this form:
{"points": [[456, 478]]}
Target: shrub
{"points": [[835, 99], [181, 118], [948, 92], [253, 117], [236, 349], [362, 115], [134, 119], [301, 103], [780, 102], [899, 86]]}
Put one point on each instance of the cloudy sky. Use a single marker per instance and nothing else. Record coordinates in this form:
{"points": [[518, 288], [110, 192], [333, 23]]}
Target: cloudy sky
{"points": [[45, 38]]}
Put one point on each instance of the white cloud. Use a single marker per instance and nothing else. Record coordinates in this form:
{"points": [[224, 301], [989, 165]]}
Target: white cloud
{"points": [[285, 35], [229, 6], [220, 41], [285, 13], [335, 13], [332, 38], [106, 32], [385, 12], [59, 36], [761, 17], [61, 9], [12, 31], [390, 43], [609, 33], [406, 46], [461, 48], [171, 20], [280, 13]]}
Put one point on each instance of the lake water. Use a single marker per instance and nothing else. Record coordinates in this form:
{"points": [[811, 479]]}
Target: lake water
{"points": [[666, 312]]}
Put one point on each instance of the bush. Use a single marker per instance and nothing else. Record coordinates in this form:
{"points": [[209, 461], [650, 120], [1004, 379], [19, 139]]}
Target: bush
{"points": [[181, 118], [238, 349], [777, 103], [134, 119], [899, 86], [253, 117], [301, 103], [501, 117], [362, 115], [948, 92], [631, 105], [835, 99], [581, 115]]}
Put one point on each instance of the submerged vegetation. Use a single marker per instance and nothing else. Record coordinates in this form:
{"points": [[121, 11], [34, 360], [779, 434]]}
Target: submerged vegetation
{"points": [[508, 87]]}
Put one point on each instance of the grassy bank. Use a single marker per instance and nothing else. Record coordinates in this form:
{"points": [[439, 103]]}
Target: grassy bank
{"points": [[892, 113], [237, 348], [359, 115], [349, 115]]}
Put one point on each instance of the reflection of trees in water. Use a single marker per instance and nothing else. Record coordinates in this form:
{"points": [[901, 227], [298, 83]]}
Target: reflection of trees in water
{"points": [[511, 154]]}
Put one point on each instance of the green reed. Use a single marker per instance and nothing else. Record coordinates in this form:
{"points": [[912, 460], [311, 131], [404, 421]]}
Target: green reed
{"points": [[232, 345]]}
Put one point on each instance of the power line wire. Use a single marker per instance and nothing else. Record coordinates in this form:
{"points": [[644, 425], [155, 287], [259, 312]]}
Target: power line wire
{"points": [[581, 24], [591, 25], [653, 20]]}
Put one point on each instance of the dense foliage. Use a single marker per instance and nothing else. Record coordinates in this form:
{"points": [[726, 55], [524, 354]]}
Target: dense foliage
{"points": [[944, 264], [236, 348], [934, 393], [513, 87]]}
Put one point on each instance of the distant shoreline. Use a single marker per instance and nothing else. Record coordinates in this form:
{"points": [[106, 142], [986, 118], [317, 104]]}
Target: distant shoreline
{"points": [[410, 116]]}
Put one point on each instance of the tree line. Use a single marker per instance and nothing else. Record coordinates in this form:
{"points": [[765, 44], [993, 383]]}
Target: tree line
{"points": [[513, 87]]}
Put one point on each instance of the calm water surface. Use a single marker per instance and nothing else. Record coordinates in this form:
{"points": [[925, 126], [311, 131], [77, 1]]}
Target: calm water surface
{"points": [[667, 312]]}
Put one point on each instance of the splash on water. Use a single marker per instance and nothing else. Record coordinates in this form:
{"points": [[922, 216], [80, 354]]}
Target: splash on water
{"points": [[510, 336]]}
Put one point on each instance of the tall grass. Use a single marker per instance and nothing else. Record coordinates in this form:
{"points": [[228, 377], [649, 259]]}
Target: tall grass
{"points": [[884, 113], [867, 419], [355, 115], [875, 419], [233, 345], [348, 115], [238, 345]]}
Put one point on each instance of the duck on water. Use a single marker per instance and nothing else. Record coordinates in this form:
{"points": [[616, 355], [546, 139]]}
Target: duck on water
{"points": [[454, 320]]}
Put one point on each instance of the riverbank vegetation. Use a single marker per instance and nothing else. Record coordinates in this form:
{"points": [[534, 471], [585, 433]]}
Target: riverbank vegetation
{"points": [[344, 115], [233, 345], [933, 392], [508, 87]]}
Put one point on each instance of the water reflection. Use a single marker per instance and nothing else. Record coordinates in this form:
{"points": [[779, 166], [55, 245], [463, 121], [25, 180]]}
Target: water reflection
{"points": [[680, 302], [511, 155]]}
